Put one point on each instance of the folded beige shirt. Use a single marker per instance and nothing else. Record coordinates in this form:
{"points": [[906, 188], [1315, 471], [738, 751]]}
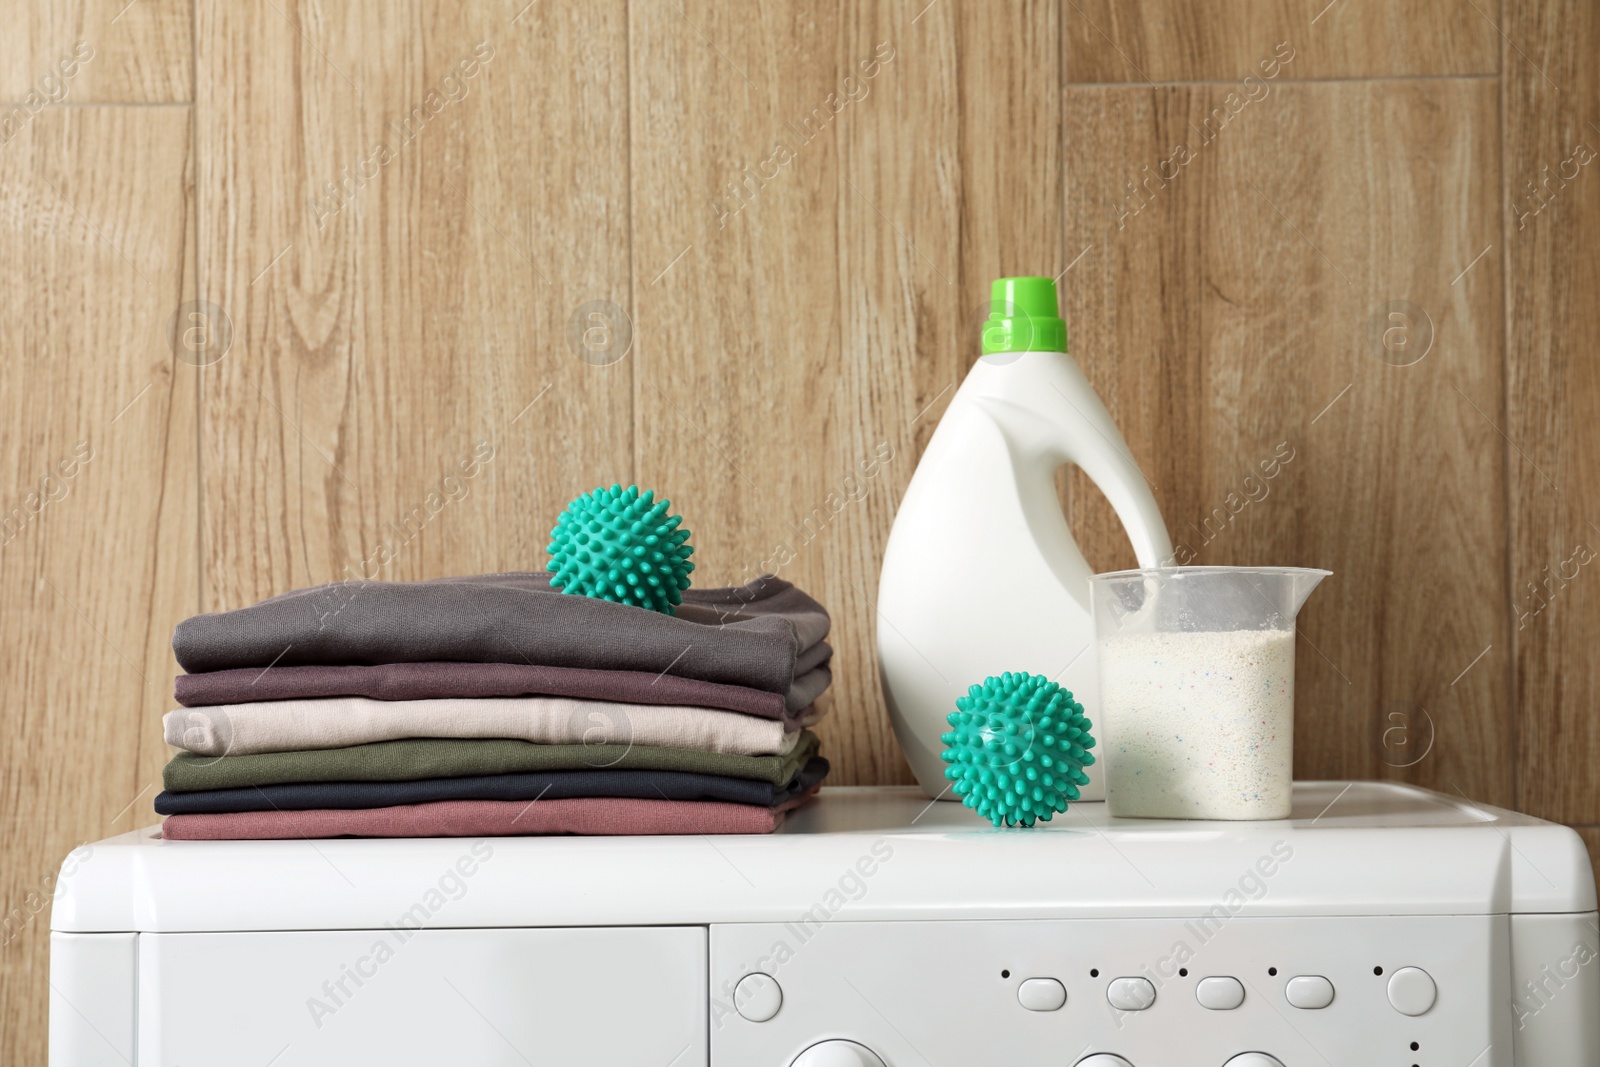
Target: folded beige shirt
{"points": [[337, 722]]}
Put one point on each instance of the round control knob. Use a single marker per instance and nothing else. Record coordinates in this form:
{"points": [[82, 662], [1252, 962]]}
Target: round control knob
{"points": [[837, 1054], [1254, 1059], [1103, 1059]]}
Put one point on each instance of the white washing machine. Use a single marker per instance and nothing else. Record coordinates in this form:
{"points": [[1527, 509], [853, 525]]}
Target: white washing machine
{"points": [[1382, 925]]}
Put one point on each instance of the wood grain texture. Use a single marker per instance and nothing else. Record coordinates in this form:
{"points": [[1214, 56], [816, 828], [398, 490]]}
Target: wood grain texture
{"points": [[98, 514], [1591, 838], [786, 413], [899, 190], [94, 51], [746, 414], [1011, 147], [402, 400], [1223, 40], [1225, 315], [1552, 220]]}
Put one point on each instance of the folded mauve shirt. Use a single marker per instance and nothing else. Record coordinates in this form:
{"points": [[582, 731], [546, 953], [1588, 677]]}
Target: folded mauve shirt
{"points": [[489, 818], [338, 722], [437, 680], [762, 635], [546, 785], [399, 761]]}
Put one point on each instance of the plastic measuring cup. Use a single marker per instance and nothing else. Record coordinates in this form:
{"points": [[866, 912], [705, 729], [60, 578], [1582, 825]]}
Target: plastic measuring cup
{"points": [[1196, 708]]}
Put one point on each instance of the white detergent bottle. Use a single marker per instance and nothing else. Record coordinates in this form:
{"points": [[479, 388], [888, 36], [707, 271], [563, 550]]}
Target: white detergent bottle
{"points": [[981, 575]]}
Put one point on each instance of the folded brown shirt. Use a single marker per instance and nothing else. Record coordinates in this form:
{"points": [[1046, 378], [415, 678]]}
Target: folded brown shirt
{"points": [[436, 680]]}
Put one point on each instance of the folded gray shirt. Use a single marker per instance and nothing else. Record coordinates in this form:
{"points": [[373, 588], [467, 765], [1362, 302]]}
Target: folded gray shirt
{"points": [[760, 635]]}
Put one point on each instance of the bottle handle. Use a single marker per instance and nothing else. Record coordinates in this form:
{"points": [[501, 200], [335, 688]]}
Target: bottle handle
{"points": [[1104, 456]]}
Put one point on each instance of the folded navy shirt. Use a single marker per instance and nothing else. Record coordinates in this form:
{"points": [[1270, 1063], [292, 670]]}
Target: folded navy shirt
{"points": [[532, 787], [762, 635]]}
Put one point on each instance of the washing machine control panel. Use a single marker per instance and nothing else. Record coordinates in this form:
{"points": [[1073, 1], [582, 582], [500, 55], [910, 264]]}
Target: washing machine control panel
{"points": [[1223, 991]]}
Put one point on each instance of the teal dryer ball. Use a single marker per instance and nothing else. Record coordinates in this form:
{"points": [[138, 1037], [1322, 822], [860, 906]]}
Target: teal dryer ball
{"points": [[624, 546], [1017, 748]]}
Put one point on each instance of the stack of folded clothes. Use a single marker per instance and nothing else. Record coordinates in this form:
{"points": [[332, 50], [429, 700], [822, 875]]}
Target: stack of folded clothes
{"points": [[495, 705]]}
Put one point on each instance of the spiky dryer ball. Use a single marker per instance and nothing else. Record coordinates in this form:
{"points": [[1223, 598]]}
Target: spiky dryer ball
{"points": [[1017, 749], [621, 545]]}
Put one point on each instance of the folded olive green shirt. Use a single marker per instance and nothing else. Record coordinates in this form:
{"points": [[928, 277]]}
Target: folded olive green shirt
{"points": [[414, 758]]}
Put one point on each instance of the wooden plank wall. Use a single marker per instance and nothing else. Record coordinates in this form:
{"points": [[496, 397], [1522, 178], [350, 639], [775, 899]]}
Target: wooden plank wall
{"points": [[277, 268], [99, 547]]}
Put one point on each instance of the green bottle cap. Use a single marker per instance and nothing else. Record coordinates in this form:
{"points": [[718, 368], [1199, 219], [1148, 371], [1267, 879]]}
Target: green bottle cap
{"points": [[1024, 317]]}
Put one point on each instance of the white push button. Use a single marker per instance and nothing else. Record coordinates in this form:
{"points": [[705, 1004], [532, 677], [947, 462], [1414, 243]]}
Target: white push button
{"points": [[1103, 1059], [1254, 1059], [1219, 994], [757, 997], [1411, 991], [1131, 994], [1310, 992], [1041, 994]]}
